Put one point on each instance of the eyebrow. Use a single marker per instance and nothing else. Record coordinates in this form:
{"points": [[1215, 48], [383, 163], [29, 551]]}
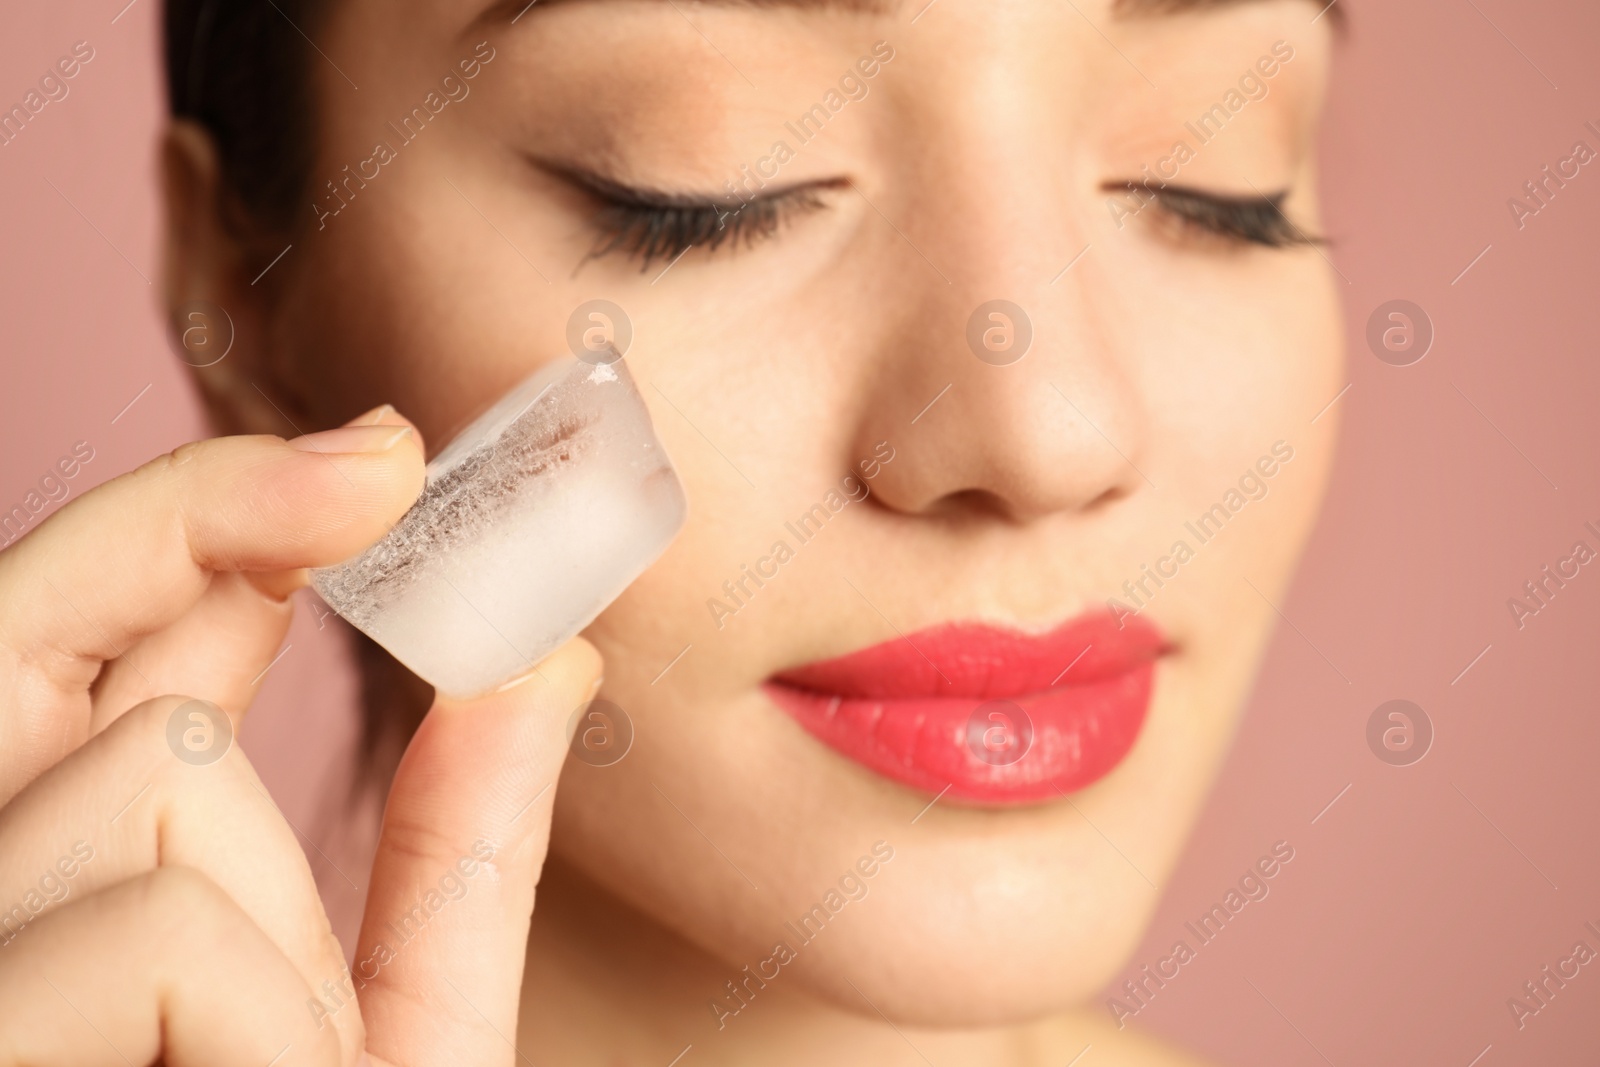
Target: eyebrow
{"points": [[512, 10], [1132, 9]]}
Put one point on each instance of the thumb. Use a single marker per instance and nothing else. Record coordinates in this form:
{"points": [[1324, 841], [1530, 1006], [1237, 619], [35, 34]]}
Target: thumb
{"points": [[440, 958]]}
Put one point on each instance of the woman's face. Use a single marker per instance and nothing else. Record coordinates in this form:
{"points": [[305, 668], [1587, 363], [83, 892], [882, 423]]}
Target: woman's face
{"points": [[860, 183]]}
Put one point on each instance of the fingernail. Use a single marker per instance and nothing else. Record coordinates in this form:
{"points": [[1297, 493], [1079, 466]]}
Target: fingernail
{"points": [[347, 440], [519, 679], [594, 690], [379, 414]]}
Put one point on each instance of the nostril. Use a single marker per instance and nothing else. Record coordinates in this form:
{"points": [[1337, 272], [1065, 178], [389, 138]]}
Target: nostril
{"points": [[988, 504], [1109, 497], [983, 502], [978, 504]]}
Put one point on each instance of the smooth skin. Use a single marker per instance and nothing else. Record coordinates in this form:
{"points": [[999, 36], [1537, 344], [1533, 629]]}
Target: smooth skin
{"points": [[194, 934], [1166, 363]]}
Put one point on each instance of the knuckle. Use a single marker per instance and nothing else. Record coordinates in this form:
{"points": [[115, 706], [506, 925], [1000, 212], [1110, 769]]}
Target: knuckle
{"points": [[180, 904], [182, 456], [197, 737], [144, 726], [188, 920], [415, 840], [149, 718], [154, 471], [22, 657]]}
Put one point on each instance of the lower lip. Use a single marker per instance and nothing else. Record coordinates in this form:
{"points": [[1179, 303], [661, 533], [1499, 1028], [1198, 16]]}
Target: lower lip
{"points": [[981, 714]]}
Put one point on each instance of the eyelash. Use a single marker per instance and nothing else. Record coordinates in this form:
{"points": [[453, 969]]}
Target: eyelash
{"points": [[652, 228], [1257, 220]]}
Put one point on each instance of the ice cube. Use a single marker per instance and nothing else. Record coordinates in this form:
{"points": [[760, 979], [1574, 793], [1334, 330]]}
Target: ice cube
{"points": [[532, 520]]}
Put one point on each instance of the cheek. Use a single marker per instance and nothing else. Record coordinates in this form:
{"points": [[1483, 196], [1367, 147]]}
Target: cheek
{"points": [[402, 301], [1235, 367], [1234, 359], [422, 294]]}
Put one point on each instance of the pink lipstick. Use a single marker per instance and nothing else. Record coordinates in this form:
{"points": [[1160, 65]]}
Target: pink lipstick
{"points": [[988, 715]]}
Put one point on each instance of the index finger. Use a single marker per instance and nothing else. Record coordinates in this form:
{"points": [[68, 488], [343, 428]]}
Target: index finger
{"points": [[132, 556]]}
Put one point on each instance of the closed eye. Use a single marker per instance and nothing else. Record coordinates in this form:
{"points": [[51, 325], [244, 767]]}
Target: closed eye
{"points": [[650, 225], [1257, 220]]}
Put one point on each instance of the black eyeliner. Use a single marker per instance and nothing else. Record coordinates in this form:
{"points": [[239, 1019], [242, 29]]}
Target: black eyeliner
{"points": [[655, 224], [1254, 219]]}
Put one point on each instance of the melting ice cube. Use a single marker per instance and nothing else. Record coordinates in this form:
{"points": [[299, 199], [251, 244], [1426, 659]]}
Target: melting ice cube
{"points": [[533, 519]]}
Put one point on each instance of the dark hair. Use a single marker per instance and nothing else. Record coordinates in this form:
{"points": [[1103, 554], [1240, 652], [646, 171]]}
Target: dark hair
{"points": [[241, 68]]}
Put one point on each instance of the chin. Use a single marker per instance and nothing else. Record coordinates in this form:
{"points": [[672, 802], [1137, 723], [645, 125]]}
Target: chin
{"points": [[971, 937]]}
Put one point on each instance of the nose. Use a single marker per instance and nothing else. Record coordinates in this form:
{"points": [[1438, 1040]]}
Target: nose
{"points": [[1007, 370], [1019, 407]]}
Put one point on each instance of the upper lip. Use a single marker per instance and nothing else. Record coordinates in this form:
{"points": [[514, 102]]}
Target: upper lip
{"points": [[979, 661]]}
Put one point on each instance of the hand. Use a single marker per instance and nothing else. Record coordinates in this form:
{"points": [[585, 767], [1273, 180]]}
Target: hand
{"points": [[154, 905]]}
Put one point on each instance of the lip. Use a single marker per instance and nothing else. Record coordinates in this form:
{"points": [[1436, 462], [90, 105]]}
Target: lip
{"points": [[987, 715]]}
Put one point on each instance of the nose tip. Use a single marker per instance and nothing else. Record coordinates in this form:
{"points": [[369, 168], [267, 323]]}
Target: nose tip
{"points": [[1008, 441]]}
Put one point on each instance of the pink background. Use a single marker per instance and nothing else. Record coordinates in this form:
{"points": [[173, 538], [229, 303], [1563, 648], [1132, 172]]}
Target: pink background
{"points": [[1424, 896]]}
